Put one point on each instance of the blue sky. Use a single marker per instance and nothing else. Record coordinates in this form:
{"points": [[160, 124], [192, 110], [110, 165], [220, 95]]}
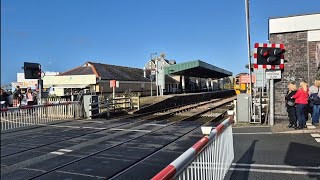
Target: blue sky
{"points": [[63, 34]]}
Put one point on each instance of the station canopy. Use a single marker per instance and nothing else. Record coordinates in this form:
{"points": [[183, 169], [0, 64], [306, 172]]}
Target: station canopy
{"points": [[197, 68]]}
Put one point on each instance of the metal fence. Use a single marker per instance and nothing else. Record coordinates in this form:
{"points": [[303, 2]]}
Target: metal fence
{"points": [[39, 114], [209, 158], [53, 100], [113, 105]]}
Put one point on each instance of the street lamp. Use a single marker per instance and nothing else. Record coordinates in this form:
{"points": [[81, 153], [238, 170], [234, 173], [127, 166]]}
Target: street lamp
{"points": [[249, 55], [151, 54]]}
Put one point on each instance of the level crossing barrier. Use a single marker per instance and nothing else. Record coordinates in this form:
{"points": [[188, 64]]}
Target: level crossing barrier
{"points": [[209, 158], [39, 114]]}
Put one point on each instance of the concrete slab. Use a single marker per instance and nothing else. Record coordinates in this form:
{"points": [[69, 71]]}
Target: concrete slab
{"points": [[20, 174], [67, 176], [54, 162], [94, 166]]}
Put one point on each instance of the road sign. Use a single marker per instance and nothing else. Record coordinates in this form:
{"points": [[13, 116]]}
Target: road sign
{"points": [[113, 83], [245, 79], [274, 74]]}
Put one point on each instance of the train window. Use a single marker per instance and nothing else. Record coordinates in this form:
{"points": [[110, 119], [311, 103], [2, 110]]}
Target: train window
{"points": [[237, 80]]}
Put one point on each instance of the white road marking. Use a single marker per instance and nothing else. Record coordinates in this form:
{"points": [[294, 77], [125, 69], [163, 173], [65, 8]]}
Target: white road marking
{"points": [[150, 124], [56, 152], [65, 150], [309, 124], [255, 133], [65, 172], [86, 127], [315, 135], [34, 169], [277, 171], [311, 127], [135, 130], [98, 122], [73, 127], [275, 166], [317, 139]]}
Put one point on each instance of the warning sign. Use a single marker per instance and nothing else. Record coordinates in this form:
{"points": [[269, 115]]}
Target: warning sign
{"points": [[275, 74]]}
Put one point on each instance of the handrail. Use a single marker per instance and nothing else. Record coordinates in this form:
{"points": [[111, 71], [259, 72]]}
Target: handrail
{"points": [[36, 106]]}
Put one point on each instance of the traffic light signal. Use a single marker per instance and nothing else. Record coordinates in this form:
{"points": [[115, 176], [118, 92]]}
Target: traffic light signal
{"points": [[32, 70], [269, 56]]}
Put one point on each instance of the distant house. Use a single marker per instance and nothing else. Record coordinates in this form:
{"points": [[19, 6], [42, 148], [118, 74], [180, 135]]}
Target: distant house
{"points": [[96, 77], [171, 83]]}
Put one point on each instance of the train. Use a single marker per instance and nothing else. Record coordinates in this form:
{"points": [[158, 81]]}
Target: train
{"points": [[238, 86]]}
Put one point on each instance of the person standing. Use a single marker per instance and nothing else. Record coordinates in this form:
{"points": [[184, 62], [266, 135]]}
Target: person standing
{"points": [[290, 104], [301, 99], [30, 97], [4, 98], [314, 96], [17, 97]]}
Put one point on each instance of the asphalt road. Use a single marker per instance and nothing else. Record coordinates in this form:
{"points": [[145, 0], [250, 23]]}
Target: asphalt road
{"points": [[60, 151], [262, 155], [127, 149]]}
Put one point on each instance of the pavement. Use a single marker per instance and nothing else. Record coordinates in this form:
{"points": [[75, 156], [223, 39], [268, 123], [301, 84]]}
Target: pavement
{"points": [[278, 152]]}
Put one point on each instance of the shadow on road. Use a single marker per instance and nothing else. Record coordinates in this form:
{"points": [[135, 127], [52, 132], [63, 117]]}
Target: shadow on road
{"points": [[303, 155], [246, 158]]}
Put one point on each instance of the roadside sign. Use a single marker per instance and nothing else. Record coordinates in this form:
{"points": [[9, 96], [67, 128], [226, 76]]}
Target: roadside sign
{"points": [[273, 74], [112, 83], [245, 79]]}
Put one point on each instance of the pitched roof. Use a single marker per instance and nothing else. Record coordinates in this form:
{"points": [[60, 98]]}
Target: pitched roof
{"points": [[81, 70], [108, 72]]}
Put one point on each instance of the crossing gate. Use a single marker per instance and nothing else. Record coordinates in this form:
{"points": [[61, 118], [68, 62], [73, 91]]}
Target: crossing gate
{"points": [[39, 114], [209, 158]]}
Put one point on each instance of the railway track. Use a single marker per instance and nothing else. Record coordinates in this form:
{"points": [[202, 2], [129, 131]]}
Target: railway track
{"points": [[129, 126]]}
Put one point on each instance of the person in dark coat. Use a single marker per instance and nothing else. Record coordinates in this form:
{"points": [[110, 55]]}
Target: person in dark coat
{"points": [[3, 98], [290, 104], [17, 97]]}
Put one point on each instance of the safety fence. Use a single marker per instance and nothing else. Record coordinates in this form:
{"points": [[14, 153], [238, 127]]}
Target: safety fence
{"points": [[209, 158], [113, 105], [53, 100], [39, 114]]}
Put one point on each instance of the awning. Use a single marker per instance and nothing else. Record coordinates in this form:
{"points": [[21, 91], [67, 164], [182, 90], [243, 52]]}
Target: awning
{"points": [[73, 86]]}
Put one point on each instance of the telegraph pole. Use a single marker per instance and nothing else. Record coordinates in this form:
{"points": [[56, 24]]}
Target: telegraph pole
{"points": [[249, 55]]}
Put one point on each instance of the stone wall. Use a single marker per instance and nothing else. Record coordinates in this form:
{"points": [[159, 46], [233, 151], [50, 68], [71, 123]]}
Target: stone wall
{"points": [[296, 65]]}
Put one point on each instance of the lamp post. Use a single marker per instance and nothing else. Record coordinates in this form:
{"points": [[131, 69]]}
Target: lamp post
{"points": [[151, 54], [249, 54]]}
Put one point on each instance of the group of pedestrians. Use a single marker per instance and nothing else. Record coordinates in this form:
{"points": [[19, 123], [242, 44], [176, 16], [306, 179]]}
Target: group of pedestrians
{"points": [[16, 99], [298, 101]]}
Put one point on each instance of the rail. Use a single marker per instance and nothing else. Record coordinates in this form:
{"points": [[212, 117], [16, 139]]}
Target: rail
{"points": [[38, 114], [209, 158], [108, 105]]}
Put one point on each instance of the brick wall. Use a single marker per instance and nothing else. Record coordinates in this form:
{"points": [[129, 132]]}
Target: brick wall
{"points": [[296, 65]]}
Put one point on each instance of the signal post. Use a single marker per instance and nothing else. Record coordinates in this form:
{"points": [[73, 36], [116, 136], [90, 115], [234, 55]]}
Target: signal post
{"points": [[270, 57]]}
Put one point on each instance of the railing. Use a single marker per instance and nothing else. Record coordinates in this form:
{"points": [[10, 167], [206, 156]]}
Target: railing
{"points": [[39, 114], [53, 100], [108, 105], [209, 158]]}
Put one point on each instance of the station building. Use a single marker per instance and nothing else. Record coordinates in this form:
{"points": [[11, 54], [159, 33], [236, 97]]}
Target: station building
{"points": [[95, 77], [29, 83], [300, 35]]}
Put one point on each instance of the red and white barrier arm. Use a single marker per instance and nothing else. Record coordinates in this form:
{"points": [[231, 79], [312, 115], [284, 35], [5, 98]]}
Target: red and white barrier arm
{"points": [[178, 165]]}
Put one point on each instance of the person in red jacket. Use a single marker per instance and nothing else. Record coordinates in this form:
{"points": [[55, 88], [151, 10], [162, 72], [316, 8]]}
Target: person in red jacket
{"points": [[301, 100]]}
